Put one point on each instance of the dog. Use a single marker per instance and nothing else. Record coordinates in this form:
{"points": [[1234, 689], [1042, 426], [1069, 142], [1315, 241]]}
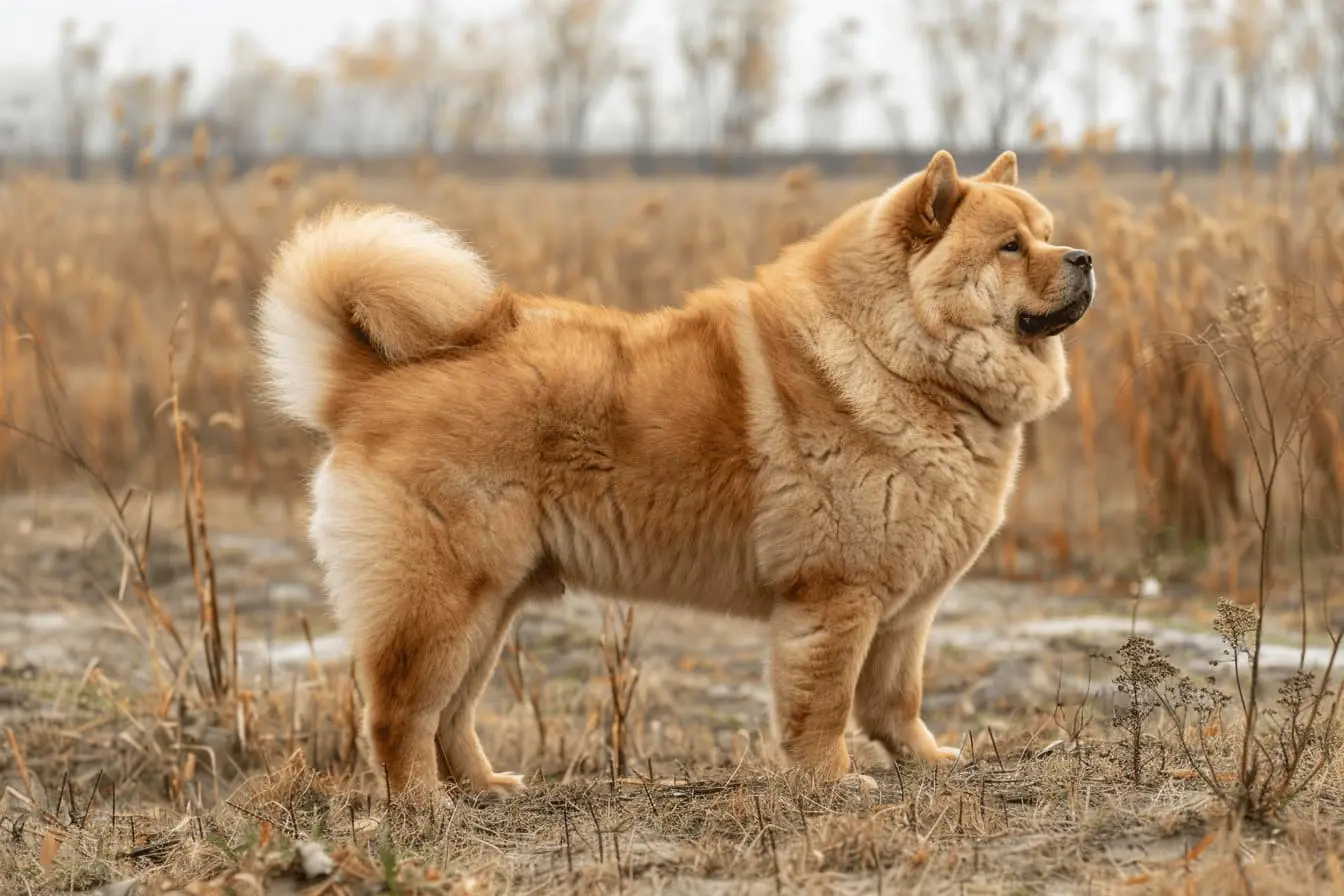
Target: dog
{"points": [[825, 447]]}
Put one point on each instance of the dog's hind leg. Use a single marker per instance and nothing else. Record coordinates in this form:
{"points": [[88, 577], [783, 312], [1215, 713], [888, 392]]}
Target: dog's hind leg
{"points": [[425, 668], [461, 757], [422, 592], [409, 669]]}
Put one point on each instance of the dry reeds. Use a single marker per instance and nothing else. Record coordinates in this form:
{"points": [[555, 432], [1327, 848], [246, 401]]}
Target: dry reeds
{"points": [[1146, 471], [1220, 353]]}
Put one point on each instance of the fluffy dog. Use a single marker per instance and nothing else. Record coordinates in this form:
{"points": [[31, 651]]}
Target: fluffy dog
{"points": [[827, 447]]}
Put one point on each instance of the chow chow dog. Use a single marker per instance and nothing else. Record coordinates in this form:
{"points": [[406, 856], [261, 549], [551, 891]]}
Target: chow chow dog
{"points": [[825, 447]]}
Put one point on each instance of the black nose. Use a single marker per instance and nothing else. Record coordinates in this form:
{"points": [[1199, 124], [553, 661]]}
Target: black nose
{"points": [[1080, 258]]}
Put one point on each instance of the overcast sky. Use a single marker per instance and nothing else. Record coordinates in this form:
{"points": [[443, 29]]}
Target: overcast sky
{"points": [[160, 33]]}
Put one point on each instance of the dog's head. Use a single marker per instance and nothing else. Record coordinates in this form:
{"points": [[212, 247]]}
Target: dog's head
{"points": [[980, 253], [958, 280]]}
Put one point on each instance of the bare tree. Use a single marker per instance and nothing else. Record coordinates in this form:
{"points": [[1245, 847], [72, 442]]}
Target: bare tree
{"points": [[639, 82], [840, 84], [173, 97], [302, 98], [79, 65], [700, 46], [1204, 97], [135, 108], [939, 27], [894, 113], [422, 70], [1319, 47], [148, 109], [374, 93], [1240, 69], [482, 80], [755, 76], [1002, 50], [1253, 33], [728, 48], [578, 61], [248, 111], [1146, 65]]}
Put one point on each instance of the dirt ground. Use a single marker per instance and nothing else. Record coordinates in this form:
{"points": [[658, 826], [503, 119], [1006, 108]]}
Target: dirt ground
{"points": [[1004, 657], [998, 646]]}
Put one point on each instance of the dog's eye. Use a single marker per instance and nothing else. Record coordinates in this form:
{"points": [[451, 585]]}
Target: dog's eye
{"points": [[1011, 246]]}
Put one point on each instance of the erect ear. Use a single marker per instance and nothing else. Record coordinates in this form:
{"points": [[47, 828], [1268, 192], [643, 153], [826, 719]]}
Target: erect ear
{"points": [[940, 191], [1002, 170]]}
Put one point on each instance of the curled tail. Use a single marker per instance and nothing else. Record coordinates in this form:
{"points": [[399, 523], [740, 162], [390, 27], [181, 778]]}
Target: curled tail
{"points": [[358, 290]]}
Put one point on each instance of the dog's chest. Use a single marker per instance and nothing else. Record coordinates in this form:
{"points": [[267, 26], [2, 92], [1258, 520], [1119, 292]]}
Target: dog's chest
{"points": [[907, 516]]}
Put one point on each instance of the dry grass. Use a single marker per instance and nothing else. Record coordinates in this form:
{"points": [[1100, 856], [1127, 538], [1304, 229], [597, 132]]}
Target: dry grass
{"points": [[177, 797], [124, 360], [1144, 472]]}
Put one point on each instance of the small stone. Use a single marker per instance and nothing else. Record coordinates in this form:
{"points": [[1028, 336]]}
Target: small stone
{"points": [[1148, 588], [315, 861]]}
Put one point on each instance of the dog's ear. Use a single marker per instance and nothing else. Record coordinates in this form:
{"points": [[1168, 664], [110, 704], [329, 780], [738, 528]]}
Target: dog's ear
{"points": [[1002, 170], [938, 193]]}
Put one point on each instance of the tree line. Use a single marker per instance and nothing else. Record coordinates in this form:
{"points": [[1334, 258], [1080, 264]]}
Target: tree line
{"points": [[1200, 76]]}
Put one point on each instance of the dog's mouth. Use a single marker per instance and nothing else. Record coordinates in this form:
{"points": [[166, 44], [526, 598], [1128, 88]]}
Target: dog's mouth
{"points": [[1041, 326]]}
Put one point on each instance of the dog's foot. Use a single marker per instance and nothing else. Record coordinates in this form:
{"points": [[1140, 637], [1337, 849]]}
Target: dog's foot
{"points": [[947, 754], [505, 784], [498, 785], [925, 748]]}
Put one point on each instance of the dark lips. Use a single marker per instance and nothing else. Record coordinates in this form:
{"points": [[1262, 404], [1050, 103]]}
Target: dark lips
{"points": [[1057, 321]]}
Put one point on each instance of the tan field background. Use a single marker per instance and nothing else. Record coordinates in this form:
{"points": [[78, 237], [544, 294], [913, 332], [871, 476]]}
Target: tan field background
{"points": [[1145, 472], [1206, 378], [1141, 670]]}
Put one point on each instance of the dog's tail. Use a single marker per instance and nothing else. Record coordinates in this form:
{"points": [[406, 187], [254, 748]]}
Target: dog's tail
{"points": [[358, 290]]}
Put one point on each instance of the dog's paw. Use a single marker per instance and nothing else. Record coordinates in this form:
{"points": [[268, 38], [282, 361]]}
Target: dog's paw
{"points": [[946, 754], [506, 783], [922, 745], [499, 784], [933, 754]]}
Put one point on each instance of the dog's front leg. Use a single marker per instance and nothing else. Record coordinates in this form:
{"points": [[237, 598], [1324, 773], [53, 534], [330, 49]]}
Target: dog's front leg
{"points": [[819, 637], [891, 688]]}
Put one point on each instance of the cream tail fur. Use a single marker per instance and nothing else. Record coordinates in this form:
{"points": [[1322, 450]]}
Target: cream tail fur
{"points": [[378, 274]]}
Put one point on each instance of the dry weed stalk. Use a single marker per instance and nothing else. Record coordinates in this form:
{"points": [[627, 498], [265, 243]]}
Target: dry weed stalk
{"points": [[622, 677], [220, 670], [525, 692], [68, 444], [1269, 350]]}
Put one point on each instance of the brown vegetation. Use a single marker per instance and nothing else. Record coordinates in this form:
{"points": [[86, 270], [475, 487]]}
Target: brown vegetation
{"points": [[1202, 444], [1203, 450], [1146, 468]]}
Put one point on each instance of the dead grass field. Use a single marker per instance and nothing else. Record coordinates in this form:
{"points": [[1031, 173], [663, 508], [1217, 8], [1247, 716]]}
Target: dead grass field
{"points": [[145, 489]]}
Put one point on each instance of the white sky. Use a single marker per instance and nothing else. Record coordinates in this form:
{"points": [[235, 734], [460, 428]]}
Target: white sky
{"points": [[150, 34]]}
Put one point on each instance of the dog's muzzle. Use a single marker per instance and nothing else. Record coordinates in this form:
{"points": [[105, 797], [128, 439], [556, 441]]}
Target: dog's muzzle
{"points": [[1082, 286]]}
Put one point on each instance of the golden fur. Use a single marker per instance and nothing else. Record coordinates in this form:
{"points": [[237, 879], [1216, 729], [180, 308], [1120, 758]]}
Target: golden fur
{"points": [[826, 447]]}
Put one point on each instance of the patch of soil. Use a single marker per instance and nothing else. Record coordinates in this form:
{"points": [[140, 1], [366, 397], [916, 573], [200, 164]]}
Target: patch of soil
{"points": [[998, 648]]}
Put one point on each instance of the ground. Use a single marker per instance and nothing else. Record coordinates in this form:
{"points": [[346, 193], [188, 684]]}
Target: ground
{"points": [[1015, 674]]}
